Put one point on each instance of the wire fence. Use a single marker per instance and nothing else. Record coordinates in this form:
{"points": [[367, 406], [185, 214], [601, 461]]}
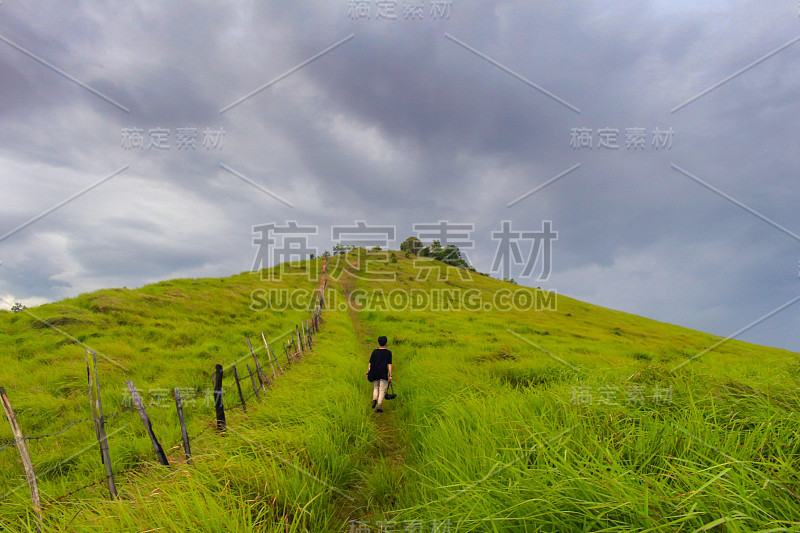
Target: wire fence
{"points": [[70, 425], [119, 472], [299, 342]]}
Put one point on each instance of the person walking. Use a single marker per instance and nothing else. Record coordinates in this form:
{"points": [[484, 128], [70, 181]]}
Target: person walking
{"points": [[379, 371]]}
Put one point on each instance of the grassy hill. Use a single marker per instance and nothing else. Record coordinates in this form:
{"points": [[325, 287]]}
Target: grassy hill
{"points": [[555, 416]]}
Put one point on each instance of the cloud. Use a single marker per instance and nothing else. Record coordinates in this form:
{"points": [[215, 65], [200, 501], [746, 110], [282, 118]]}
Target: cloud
{"points": [[402, 125]]}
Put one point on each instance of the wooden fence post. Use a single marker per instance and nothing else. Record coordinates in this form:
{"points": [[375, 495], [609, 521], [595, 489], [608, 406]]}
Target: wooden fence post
{"points": [[218, 406], [260, 372], [238, 386], [30, 476], [299, 340], [275, 358], [286, 351], [253, 381], [148, 426], [268, 357], [99, 421], [184, 433]]}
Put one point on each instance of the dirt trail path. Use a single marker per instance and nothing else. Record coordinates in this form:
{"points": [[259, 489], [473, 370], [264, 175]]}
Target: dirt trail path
{"points": [[389, 457]]}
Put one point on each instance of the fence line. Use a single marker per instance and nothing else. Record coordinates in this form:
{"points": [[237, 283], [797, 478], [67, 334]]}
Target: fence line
{"points": [[93, 483], [70, 425], [299, 342], [107, 418]]}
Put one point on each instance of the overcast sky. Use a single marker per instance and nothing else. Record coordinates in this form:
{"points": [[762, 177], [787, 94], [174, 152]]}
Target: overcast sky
{"points": [[451, 113]]}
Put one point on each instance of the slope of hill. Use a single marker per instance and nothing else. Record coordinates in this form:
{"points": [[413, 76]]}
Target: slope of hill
{"points": [[556, 415]]}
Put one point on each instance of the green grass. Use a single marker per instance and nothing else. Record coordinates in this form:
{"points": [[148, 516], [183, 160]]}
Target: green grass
{"points": [[577, 418]]}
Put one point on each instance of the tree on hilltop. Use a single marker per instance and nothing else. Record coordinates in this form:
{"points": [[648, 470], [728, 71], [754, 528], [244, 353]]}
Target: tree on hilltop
{"points": [[412, 245], [450, 254]]}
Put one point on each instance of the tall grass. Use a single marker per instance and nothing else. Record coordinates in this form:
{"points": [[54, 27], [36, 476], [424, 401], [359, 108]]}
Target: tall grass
{"points": [[498, 440], [504, 421]]}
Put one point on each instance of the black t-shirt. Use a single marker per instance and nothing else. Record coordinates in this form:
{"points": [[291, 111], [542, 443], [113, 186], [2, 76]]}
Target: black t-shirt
{"points": [[379, 363]]}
